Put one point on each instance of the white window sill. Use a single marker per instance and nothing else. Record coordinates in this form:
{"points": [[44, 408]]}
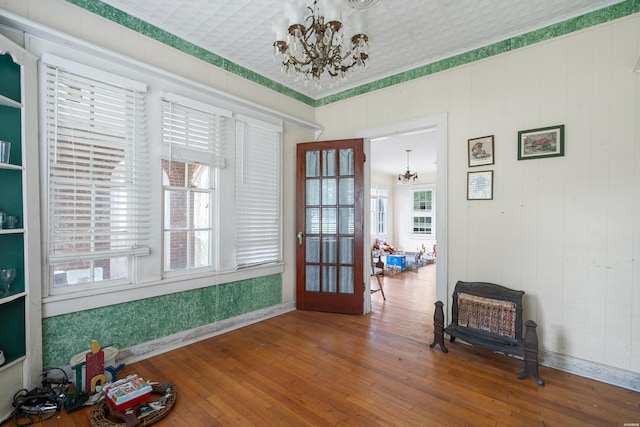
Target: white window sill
{"points": [[56, 305]]}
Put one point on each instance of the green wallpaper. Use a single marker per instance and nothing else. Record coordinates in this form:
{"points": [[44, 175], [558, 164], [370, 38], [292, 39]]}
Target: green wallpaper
{"points": [[607, 14], [129, 324]]}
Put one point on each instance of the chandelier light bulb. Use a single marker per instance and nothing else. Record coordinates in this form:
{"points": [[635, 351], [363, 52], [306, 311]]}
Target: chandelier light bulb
{"points": [[358, 21], [295, 12], [279, 27]]}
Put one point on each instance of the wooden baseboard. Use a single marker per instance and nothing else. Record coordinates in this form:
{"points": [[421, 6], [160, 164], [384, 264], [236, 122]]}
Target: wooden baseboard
{"points": [[596, 371]]}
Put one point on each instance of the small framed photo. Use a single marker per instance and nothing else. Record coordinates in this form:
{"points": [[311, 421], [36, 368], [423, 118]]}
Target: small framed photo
{"points": [[480, 185], [480, 151], [541, 142]]}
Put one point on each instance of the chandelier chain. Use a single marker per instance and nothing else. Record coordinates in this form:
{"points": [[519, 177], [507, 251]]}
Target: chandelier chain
{"points": [[408, 176]]}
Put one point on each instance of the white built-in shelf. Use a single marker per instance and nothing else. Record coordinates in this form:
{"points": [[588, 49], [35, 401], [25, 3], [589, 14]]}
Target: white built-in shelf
{"points": [[9, 102], [11, 166], [11, 297], [11, 230], [8, 364]]}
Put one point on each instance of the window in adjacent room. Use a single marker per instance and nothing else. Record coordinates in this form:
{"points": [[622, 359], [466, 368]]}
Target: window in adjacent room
{"points": [[379, 198], [97, 173], [192, 148], [423, 210]]}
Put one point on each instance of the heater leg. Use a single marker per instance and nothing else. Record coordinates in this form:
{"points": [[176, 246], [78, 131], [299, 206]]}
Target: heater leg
{"points": [[438, 327], [531, 352]]}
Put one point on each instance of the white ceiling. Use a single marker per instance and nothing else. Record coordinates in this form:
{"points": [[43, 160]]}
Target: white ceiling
{"points": [[404, 34], [389, 155]]}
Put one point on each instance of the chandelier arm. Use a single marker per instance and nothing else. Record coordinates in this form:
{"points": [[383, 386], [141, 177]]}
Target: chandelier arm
{"points": [[311, 54], [297, 62], [308, 47]]}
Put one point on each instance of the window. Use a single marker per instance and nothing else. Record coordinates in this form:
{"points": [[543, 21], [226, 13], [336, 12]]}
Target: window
{"points": [[97, 178], [138, 181], [188, 199], [258, 188], [379, 198], [191, 149], [422, 216]]}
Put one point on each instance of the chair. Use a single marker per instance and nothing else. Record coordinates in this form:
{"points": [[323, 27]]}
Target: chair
{"points": [[377, 269]]}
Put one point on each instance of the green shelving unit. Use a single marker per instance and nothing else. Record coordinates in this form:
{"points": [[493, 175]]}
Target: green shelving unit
{"points": [[20, 307], [12, 310], [13, 349]]}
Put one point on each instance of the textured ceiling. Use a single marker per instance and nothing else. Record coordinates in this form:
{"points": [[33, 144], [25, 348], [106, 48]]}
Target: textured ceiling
{"points": [[389, 155], [404, 34]]}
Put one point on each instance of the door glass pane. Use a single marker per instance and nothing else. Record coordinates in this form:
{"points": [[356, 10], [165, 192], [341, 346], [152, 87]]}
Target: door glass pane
{"points": [[329, 221], [347, 221], [346, 161], [329, 279], [328, 162], [346, 280], [346, 250], [312, 250], [312, 282], [329, 191], [313, 221], [329, 249], [313, 163], [347, 191], [313, 192]]}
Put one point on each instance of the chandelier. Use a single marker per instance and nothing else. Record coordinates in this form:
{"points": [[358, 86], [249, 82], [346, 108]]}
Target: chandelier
{"points": [[407, 177], [310, 43]]}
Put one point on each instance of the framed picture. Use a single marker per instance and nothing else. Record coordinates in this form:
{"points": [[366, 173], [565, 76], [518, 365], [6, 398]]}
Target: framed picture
{"points": [[541, 142], [480, 185], [480, 151]]}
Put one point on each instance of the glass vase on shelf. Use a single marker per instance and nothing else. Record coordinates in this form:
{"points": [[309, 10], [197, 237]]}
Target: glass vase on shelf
{"points": [[5, 151], [7, 276]]}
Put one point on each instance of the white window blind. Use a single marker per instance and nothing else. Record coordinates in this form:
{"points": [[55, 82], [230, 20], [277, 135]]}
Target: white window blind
{"points": [[98, 167], [258, 192], [192, 143], [192, 131]]}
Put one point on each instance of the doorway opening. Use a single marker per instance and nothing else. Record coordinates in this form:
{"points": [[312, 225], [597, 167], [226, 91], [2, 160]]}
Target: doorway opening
{"points": [[426, 137]]}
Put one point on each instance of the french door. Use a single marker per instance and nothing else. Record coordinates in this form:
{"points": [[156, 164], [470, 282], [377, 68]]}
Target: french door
{"points": [[330, 215]]}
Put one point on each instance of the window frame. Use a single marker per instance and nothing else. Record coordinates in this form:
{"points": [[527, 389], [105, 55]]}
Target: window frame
{"points": [[193, 134], [426, 214], [190, 192], [379, 194], [91, 117]]}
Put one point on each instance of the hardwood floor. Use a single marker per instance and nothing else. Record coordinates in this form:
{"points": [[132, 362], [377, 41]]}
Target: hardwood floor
{"points": [[320, 369]]}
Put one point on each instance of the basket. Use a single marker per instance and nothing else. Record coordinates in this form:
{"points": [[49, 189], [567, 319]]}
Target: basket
{"points": [[99, 416]]}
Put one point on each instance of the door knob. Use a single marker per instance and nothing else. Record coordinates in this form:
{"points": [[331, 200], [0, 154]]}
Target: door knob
{"points": [[300, 235]]}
